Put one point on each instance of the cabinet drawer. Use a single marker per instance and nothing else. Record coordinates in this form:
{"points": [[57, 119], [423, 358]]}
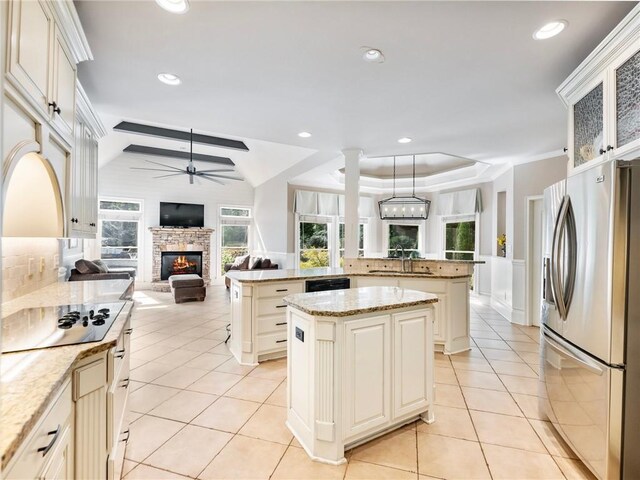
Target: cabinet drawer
{"points": [[280, 289], [119, 355], [29, 462], [272, 342], [271, 306], [274, 323], [116, 404]]}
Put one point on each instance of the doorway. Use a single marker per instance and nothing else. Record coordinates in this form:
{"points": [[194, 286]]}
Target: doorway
{"points": [[534, 260]]}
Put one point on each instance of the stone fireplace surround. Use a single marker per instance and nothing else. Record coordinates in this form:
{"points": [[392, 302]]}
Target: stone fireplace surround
{"points": [[179, 240]]}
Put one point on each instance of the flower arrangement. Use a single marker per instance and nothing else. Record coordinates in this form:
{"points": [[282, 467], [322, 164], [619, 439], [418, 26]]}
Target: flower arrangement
{"points": [[502, 242]]}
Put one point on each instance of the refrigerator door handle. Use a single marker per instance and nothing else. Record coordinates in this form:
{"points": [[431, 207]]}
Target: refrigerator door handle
{"points": [[556, 244], [572, 247], [567, 350]]}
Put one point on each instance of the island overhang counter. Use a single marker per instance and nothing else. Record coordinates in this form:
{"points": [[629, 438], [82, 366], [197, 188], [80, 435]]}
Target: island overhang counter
{"points": [[360, 363]]}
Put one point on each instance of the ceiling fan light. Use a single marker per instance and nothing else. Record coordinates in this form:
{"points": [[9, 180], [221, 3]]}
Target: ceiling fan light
{"points": [[174, 6], [169, 79]]}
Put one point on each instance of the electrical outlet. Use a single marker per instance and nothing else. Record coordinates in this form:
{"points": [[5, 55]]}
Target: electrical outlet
{"points": [[41, 265], [31, 266]]}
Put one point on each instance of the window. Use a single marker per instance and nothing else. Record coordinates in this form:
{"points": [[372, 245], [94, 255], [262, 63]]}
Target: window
{"points": [[120, 232], [234, 233], [314, 245], [459, 240], [125, 206], [405, 236], [341, 242]]}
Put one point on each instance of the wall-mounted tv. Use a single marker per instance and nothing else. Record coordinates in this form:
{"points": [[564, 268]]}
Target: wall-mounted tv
{"points": [[181, 215]]}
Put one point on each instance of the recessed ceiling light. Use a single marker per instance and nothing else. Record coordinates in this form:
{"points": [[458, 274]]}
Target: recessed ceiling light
{"points": [[169, 79], [174, 6], [304, 134], [372, 55], [551, 29], [404, 140]]}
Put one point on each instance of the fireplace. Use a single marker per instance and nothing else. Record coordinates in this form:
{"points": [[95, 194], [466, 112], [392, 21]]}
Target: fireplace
{"points": [[180, 263]]}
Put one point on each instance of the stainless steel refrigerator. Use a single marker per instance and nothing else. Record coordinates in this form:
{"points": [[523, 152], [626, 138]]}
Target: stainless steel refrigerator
{"points": [[590, 318]]}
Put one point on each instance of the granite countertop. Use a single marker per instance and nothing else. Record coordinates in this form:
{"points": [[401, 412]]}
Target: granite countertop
{"points": [[29, 380], [355, 301], [439, 260], [258, 276]]}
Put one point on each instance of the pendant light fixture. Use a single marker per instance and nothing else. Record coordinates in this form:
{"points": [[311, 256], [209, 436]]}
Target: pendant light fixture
{"points": [[404, 207]]}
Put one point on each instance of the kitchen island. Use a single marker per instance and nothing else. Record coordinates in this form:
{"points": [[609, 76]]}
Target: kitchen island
{"points": [[258, 320], [360, 363]]}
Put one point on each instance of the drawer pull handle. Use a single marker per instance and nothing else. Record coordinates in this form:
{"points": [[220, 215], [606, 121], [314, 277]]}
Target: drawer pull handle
{"points": [[125, 383], [281, 323], [128, 433], [128, 331], [281, 306], [282, 290], [281, 341], [119, 354], [46, 449]]}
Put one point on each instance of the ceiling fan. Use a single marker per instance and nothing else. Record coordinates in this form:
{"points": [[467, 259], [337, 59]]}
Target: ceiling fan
{"points": [[191, 170]]}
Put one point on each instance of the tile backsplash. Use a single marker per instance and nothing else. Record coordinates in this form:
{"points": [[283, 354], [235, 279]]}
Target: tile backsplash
{"points": [[28, 264]]}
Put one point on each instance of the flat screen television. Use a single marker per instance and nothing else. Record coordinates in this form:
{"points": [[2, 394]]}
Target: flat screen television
{"points": [[181, 215]]}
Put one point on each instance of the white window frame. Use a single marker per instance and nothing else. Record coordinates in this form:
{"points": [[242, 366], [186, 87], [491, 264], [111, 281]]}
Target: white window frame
{"points": [[456, 219], [365, 236], [422, 247], [224, 220], [124, 216]]}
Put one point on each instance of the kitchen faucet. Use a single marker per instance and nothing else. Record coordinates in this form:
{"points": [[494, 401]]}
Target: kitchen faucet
{"points": [[402, 258]]}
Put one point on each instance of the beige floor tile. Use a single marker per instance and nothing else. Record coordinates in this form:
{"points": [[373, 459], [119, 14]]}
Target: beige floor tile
{"points": [[505, 355], [226, 414], [150, 353], [508, 463], [147, 434], [296, 465], [150, 371], [528, 386], [471, 363], [396, 449], [512, 368], [127, 466], [216, 383], [268, 423], [133, 385], [530, 405], [524, 346], [175, 341], [231, 365], [177, 356], [449, 396], [490, 401], [450, 422], [574, 469], [207, 361], [357, 470], [149, 397], [516, 337], [145, 472], [487, 334], [497, 344], [222, 349], [189, 451], [271, 370], [253, 388], [484, 380], [245, 458], [279, 396], [530, 357], [506, 431], [552, 440], [184, 407], [445, 375], [450, 458], [180, 377], [202, 344]]}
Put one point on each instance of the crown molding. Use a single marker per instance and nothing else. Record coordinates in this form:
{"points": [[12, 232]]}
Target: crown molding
{"points": [[86, 111], [66, 17]]}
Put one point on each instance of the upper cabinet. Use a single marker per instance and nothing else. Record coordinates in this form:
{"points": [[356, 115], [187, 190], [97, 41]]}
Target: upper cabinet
{"points": [[603, 99]]}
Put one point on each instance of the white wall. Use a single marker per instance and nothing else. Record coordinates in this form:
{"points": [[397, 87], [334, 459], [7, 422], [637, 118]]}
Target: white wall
{"points": [[117, 179]]}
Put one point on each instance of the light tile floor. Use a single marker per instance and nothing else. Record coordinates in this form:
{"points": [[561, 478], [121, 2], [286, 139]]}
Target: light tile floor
{"points": [[196, 413]]}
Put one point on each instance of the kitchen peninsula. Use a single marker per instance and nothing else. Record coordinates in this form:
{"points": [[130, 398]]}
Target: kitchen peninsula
{"points": [[258, 320], [361, 363]]}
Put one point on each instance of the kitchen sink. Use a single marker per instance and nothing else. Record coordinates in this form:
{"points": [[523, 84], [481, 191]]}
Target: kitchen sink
{"points": [[401, 273]]}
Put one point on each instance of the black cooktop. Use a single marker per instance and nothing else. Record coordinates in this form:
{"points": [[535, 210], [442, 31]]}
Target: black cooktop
{"points": [[44, 327]]}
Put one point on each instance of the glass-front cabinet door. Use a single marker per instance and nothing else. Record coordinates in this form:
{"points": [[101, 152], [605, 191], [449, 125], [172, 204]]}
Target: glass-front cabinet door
{"points": [[626, 131], [588, 126]]}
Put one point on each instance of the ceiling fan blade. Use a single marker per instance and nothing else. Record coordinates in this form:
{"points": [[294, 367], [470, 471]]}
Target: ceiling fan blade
{"points": [[191, 179], [170, 175], [163, 165], [220, 176], [217, 170], [211, 179], [153, 169]]}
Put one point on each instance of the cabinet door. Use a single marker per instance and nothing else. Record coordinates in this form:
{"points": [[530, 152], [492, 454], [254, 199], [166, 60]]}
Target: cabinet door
{"points": [[626, 81], [587, 134], [30, 50], [60, 467], [64, 87], [367, 375], [75, 212], [412, 362], [441, 318], [90, 183]]}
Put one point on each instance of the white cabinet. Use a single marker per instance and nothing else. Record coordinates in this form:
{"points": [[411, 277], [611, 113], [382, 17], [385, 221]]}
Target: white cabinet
{"points": [[40, 65], [83, 193], [603, 100], [367, 375], [47, 452]]}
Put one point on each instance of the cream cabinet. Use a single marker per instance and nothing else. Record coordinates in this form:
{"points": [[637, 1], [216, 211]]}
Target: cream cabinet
{"points": [[603, 100], [40, 65], [47, 453]]}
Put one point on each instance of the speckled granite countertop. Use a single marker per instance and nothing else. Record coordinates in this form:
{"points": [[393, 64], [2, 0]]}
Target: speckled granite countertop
{"points": [[29, 380], [355, 301], [259, 276]]}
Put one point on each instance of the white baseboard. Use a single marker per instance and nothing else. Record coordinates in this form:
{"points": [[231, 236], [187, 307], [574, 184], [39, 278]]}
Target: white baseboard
{"points": [[502, 308], [518, 317]]}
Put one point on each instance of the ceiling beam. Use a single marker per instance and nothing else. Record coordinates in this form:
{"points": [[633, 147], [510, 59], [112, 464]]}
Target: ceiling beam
{"points": [[148, 130], [163, 152]]}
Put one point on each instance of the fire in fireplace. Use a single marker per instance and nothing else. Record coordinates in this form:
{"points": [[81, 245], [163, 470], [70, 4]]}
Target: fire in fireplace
{"points": [[180, 263]]}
